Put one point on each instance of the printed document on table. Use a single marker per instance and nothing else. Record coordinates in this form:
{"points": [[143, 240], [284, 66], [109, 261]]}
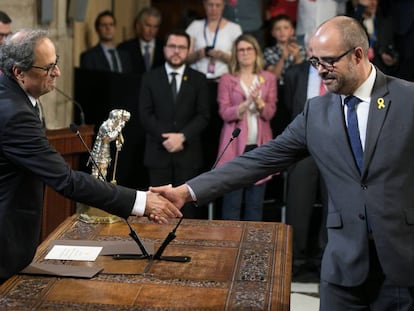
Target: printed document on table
{"points": [[71, 252]]}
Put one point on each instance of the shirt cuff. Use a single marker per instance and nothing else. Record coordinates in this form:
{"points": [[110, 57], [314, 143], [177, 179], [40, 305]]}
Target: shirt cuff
{"points": [[139, 204], [193, 195]]}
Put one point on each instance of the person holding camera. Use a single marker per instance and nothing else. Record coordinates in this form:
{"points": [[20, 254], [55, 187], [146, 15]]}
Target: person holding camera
{"points": [[286, 51], [211, 40], [378, 23], [277, 58]]}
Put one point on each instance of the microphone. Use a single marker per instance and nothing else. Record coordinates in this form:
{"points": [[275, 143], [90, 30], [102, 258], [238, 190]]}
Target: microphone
{"points": [[234, 135], [132, 233], [81, 112], [75, 130]]}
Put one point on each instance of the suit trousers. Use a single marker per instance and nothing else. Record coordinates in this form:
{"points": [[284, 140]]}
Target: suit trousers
{"points": [[377, 293]]}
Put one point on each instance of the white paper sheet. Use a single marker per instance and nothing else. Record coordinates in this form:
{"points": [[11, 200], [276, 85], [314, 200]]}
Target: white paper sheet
{"points": [[68, 252]]}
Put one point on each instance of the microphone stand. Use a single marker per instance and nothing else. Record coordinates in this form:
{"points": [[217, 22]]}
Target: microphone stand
{"points": [[234, 135]]}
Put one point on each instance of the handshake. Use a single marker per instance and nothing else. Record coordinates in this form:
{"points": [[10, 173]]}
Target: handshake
{"points": [[165, 202]]}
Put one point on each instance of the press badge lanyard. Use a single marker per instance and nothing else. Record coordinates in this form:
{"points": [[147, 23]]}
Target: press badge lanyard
{"points": [[215, 32]]}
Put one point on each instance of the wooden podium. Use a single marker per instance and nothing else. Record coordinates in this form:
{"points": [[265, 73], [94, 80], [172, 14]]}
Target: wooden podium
{"points": [[56, 207]]}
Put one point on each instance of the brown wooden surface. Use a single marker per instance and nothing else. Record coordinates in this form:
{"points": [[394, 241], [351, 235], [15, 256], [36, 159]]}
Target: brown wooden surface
{"points": [[234, 266], [57, 208]]}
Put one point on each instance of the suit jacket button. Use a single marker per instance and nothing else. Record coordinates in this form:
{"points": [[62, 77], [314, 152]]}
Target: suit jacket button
{"points": [[364, 187], [361, 216]]}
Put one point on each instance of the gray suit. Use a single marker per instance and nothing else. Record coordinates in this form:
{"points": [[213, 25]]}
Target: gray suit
{"points": [[384, 190]]}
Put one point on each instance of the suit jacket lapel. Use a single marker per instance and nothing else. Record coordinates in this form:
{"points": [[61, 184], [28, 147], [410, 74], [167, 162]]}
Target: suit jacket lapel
{"points": [[378, 109], [237, 86]]}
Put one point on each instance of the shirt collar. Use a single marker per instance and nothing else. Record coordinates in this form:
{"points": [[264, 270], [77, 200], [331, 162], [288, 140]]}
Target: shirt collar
{"points": [[144, 43], [364, 91], [179, 70], [32, 99], [106, 48]]}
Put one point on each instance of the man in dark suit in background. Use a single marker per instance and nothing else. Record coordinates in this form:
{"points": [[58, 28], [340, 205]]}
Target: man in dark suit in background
{"points": [[304, 185], [145, 51], [28, 61], [105, 56], [360, 135], [174, 111]]}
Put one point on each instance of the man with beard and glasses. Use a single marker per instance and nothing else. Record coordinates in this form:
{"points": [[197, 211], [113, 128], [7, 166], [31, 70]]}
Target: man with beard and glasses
{"points": [[360, 135], [174, 111]]}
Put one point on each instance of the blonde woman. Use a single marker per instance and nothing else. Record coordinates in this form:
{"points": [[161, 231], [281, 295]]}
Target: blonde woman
{"points": [[247, 100]]}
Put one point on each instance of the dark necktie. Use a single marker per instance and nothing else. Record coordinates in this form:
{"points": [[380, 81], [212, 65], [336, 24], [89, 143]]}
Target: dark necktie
{"points": [[147, 57], [115, 66], [353, 129], [37, 108], [174, 85], [39, 112]]}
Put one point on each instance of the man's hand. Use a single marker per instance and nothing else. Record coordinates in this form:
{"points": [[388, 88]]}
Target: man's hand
{"points": [[177, 196], [174, 142], [159, 209]]}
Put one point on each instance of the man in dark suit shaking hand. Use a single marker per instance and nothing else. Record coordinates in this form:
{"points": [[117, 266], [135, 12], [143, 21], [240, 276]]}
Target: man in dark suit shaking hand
{"points": [[174, 111], [29, 64], [361, 136]]}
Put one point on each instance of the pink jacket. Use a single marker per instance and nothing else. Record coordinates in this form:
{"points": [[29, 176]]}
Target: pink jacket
{"points": [[230, 95]]}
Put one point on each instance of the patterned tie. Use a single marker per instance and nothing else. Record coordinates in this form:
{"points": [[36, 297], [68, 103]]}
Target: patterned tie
{"points": [[174, 85], [115, 67], [353, 129], [147, 57]]}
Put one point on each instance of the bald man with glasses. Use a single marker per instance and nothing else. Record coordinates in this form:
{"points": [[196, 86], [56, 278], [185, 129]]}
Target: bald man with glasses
{"points": [[361, 136]]}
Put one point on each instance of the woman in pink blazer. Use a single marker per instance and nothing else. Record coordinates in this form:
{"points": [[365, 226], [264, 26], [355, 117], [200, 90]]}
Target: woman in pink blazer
{"points": [[247, 100]]}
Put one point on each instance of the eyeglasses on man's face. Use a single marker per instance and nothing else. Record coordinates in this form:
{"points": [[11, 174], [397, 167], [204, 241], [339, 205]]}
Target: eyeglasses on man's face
{"points": [[328, 63], [174, 47], [49, 68]]}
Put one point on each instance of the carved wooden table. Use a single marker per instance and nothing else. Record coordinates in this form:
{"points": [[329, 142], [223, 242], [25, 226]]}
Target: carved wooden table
{"points": [[234, 266]]}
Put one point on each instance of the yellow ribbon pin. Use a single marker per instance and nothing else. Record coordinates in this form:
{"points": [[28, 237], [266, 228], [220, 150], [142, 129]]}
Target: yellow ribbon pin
{"points": [[380, 102]]}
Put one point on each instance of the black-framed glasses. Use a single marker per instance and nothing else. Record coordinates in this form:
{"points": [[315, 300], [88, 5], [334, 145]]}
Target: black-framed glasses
{"points": [[49, 68], [177, 47], [328, 62]]}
